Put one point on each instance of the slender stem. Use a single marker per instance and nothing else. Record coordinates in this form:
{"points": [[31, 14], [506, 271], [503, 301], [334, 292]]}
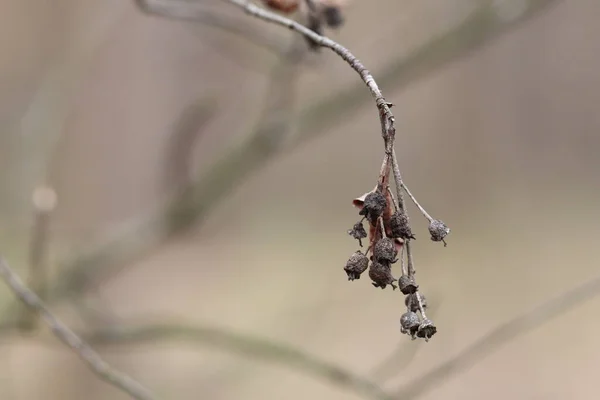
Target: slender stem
{"points": [[382, 227], [402, 263], [420, 301], [398, 181], [383, 106], [411, 268], [414, 200], [62, 332]]}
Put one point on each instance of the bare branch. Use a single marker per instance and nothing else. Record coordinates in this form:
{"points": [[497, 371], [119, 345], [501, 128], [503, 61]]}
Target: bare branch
{"points": [[95, 363], [481, 27], [243, 344], [323, 41]]}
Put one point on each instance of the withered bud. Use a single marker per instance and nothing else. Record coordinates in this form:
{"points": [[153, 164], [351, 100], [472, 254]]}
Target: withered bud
{"points": [[400, 227], [381, 275], [438, 231], [407, 284], [412, 303], [333, 16], [356, 265], [385, 251], [373, 206], [409, 323], [358, 232], [426, 329]]}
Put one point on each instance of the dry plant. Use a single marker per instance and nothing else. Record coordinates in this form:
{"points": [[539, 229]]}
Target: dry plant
{"points": [[389, 230]]}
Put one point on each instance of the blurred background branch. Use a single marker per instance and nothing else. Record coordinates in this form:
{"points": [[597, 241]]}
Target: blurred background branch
{"points": [[62, 332], [130, 334]]}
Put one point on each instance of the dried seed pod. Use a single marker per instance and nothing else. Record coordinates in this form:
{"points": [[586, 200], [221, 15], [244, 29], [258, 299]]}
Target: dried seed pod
{"points": [[407, 284], [400, 227], [285, 6], [358, 232], [426, 329], [438, 231], [356, 265], [385, 251], [409, 323], [333, 16], [374, 205], [381, 275], [412, 303]]}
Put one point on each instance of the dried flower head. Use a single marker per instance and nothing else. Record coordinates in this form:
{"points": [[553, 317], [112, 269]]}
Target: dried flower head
{"points": [[358, 232], [385, 251], [426, 329], [374, 205], [407, 284], [381, 275], [409, 323], [399, 226], [438, 231], [356, 265], [412, 303]]}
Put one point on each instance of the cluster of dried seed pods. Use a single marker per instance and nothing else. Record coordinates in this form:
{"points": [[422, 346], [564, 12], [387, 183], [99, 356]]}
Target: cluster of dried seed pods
{"points": [[389, 234]]}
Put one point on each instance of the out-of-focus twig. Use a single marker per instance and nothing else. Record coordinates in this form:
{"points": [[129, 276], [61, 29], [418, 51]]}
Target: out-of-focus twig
{"points": [[255, 151], [196, 12], [62, 332], [187, 131], [44, 202], [499, 337], [256, 347]]}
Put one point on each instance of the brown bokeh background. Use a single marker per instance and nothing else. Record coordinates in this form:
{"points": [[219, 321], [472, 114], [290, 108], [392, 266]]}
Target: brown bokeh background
{"points": [[501, 143]]}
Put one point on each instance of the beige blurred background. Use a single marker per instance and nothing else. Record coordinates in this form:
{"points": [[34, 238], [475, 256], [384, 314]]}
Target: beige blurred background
{"points": [[501, 143]]}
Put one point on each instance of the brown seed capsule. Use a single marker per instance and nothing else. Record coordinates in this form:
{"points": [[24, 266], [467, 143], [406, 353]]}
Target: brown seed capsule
{"points": [[412, 303], [400, 227], [381, 275], [356, 265], [358, 232], [385, 251], [373, 206], [285, 6], [333, 16], [426, 330], [407, 284], [409, 323], [438, 231]]}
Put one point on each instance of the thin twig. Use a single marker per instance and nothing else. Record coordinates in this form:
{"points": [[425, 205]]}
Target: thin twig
{"points": [[323, 41], [255, 347], [409, 258], [199, 13], [95, 363], [44, 202], [499, 337], [414, 200]]}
